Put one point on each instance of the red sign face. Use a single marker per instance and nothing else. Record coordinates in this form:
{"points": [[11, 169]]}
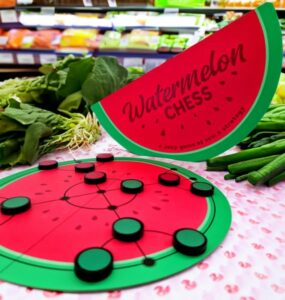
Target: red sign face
{"points": [[204, 100]]}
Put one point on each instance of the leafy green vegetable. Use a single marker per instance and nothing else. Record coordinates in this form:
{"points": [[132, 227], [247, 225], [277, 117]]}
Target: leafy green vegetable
{"points": [[88, 79], [106, 77], [42, 131], [30, 149], [52, 111]]}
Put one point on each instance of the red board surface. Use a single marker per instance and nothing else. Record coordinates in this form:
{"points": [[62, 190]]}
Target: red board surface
{"points": [[69, 215]]}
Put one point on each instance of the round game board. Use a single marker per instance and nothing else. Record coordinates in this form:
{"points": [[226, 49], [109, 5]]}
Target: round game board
{"points": [[106, 223]]}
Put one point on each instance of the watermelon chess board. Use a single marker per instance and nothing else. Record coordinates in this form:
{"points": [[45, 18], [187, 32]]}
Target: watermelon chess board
{"points": [[106, 223]]}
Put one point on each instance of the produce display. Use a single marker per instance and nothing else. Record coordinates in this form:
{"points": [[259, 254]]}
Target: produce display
{"points": [[91, 39], [51, 111], [262, 158]]}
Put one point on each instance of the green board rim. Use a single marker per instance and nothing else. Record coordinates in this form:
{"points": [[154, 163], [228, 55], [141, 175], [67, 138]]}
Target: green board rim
{"points": [[51, 275], [272, 35]]}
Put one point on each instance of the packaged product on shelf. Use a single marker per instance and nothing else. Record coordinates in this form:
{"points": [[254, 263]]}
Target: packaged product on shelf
{"points": [[110, 40], [142, 40], [91, 20], [46, 39], [19, 37], [3, 38], [7, 3], [82, 38], [179, 44], [28, 18], [165, 43], [180, 3]]}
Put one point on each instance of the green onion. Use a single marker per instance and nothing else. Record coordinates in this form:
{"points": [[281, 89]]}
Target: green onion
{"points": [[266, 150], [229, 176], [247, 166], [241, 178], [278, 178], [268, 171]]}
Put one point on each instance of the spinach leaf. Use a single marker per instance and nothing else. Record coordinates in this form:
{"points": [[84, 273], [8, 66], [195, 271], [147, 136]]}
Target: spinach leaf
{"points": [[75, 76], [71, 102], [30, 149], [106, 77], [9, 151]]}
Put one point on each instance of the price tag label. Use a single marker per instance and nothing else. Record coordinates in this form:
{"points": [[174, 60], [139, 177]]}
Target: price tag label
{"points": [[3, 40], [8, 16], [48, 10], [133, 62], [6, 58], [87, 3], [25, 59], [47, 58], [171, 10], [112, 3]]}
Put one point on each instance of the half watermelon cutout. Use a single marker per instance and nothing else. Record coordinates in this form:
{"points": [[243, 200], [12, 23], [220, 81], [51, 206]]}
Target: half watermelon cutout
{"points": [[205, 100]]}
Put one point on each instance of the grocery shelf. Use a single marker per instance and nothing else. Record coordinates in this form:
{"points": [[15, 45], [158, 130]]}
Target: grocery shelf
{"points": [[28, 57], [127, 54], [200, 10]]}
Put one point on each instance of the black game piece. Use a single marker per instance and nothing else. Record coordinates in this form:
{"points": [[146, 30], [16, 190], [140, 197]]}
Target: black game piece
{"points": [[202, 189], [105, 157], [169, 179], [16, 205], [48, 165], [128, 229], [93, 264], [95, 177], [189, 241], [84, 167], [132, 186]]}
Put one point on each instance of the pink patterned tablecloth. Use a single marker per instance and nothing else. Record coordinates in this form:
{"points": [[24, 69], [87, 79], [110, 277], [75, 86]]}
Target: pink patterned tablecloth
{"points": [[249, 265]]}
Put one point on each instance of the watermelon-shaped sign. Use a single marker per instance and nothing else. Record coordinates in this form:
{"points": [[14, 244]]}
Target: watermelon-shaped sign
{"points": [[204, 100]]}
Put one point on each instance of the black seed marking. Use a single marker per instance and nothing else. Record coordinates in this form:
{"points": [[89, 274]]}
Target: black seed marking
{"points": [[101, 191], [64, 198], [193, 178], [78, 227], [173, 169], [156, 207], [112, 207]]}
